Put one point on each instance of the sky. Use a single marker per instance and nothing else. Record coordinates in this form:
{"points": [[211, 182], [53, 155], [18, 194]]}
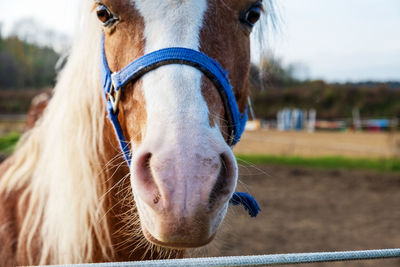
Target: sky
{"points": [[335, 40], [341, 40]]}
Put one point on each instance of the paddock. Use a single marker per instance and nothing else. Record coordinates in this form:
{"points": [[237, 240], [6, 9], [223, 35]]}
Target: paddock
{"points": [[309, 210]]}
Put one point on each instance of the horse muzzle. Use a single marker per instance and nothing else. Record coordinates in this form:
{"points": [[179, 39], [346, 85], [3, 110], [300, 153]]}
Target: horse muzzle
{"points": [[182, 190]]}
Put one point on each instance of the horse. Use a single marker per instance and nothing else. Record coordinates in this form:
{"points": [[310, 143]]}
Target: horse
{"points": [[67, 194]]}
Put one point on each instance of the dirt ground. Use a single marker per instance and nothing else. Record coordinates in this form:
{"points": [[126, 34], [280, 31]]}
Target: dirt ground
{"points": [[308, 210], [350, 144]]}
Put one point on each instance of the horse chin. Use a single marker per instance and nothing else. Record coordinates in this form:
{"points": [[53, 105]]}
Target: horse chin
{"points": [[179, 232], [176, 245]]}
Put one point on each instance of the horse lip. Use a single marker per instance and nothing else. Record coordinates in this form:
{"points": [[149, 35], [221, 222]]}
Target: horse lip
{"points": [[175, 245]]}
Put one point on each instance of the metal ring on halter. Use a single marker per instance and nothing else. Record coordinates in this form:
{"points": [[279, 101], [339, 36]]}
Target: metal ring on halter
{"points": [[114, 100]]}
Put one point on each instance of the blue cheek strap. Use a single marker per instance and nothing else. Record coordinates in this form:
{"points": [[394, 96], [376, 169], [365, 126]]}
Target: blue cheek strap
{"points": [[113, 84]]}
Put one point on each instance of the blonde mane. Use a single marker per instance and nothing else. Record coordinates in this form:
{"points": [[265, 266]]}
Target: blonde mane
{"points": [[61, 158]]}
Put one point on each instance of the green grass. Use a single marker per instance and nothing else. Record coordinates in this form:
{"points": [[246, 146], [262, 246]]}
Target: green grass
{"points": [[8, 142], [331, 162]]}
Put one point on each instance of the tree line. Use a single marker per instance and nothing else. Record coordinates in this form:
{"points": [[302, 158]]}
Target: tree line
{"points": [[274, 87], [24, 65], [27, 65], [26, 62]]}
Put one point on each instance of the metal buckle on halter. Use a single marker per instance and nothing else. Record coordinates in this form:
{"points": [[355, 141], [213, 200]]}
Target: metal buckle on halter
{"points": [[113, 96]]}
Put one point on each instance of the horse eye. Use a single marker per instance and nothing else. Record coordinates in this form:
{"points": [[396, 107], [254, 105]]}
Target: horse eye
{"points": [[252, 15], [104, 15]]}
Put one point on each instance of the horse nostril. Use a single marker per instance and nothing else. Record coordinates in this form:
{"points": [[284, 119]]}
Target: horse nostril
{"points": [[145, 178], [144, 166], [225, 177]]}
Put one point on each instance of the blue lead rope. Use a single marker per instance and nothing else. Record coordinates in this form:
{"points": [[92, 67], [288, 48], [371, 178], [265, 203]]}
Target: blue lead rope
{"points": [[249, 203], [113, 84]]}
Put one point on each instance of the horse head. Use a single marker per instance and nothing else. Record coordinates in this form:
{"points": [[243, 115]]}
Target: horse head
{"points": [[173, 117]]}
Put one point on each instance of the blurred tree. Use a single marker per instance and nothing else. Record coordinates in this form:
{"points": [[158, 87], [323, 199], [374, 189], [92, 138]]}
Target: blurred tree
{"points": [[272, 73], [275, 86], [27, 59]]}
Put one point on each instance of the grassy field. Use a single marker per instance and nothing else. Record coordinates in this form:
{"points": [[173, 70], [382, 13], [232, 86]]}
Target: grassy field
{"points": [[8, 142], [331, 162]]}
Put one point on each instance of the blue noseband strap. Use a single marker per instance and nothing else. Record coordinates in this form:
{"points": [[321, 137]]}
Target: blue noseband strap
{"points": [[113, 84]]}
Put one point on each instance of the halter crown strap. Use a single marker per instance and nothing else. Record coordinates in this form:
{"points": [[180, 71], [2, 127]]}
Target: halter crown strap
{"points": [[113, 84]]}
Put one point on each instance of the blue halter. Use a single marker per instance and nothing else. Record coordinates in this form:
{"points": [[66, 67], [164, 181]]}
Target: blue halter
{"points": [[113, 84]]}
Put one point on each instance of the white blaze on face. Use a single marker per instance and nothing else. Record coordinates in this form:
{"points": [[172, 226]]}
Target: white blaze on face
{"points": [[173, 92], [185, 151]]}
